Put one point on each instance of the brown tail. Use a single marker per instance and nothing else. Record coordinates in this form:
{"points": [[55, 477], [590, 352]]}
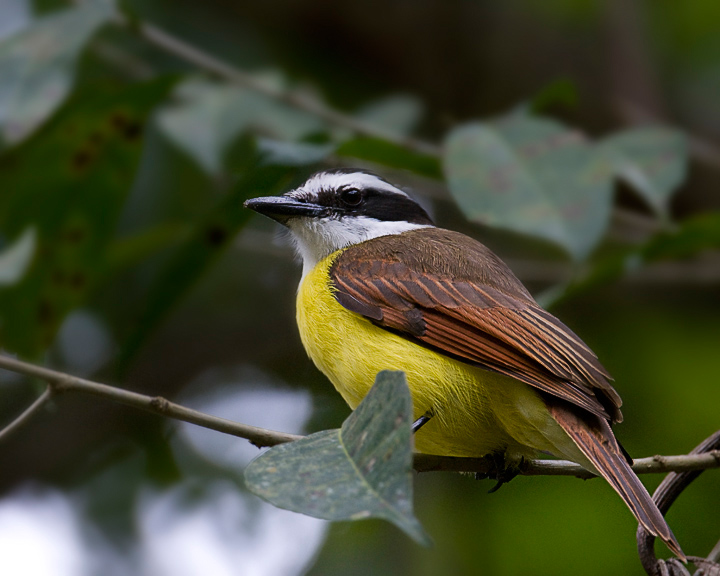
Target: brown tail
{"points": [[595, 439]]}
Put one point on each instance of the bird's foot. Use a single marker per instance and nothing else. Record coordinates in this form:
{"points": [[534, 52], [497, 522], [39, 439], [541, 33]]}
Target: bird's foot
{"points": [[500, 470]]}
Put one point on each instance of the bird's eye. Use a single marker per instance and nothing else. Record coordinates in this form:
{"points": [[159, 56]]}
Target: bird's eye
{"points": [[351, 197]]}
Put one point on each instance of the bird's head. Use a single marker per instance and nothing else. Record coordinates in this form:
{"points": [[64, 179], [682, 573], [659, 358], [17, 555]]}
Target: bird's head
{"points": [[338, 208]]}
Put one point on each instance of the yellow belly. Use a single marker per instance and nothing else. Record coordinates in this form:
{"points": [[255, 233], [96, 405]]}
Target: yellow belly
{"points": [[476, 412]]}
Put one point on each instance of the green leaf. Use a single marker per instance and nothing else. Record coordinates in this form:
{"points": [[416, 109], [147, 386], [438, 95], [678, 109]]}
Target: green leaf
{"points": [[208, 117], [533, 176], [15, 259], [37, 66], [363, 470], [70, 183], [560, 92], [399, 114], [292, 153], [652, 161], [389, 154], [694, 235]]}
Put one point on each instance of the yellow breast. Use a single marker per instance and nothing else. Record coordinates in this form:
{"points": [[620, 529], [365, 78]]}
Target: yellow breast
{"points": [[475, 411]]}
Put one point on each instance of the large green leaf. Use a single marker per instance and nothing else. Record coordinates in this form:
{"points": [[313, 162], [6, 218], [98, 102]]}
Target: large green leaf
{"points": [[399, 114], [652, 161], [37, 66], [208, 117], [363, 470], [533, 176], [69, 182]]}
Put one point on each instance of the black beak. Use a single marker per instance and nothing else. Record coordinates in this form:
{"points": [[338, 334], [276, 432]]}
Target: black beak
{"points": [[282, 208]]}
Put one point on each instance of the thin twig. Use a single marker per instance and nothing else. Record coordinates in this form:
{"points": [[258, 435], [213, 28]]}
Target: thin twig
{"points": [[650, 465], [667, 492], [174, 45], [714, 555], [29, 412], [61, 382]]}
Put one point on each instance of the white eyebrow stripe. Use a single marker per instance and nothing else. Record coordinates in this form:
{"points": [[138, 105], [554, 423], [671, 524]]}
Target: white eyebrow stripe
{"points": [[325, 181]]}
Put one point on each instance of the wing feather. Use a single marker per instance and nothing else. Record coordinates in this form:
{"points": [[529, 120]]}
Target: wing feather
{"points": [[483, 317]]}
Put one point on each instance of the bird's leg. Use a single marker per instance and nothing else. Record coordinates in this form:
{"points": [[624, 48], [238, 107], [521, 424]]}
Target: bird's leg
{"points": [[500, 470], [420, 422]]}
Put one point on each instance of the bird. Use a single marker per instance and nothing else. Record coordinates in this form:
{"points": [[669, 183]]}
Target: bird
{"points": [[491, 373]]}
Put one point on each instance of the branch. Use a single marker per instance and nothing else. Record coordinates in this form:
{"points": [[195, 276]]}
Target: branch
{"points": [[650, 465], [27, 414], [665, 495], [185, 51], [59, 382]]}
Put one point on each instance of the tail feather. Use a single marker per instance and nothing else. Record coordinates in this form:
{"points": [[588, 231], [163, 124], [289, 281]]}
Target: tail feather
{"points": [[596, 441]]}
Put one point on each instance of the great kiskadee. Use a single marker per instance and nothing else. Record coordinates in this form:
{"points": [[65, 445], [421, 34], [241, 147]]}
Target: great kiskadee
{"points": [[490, 371]]}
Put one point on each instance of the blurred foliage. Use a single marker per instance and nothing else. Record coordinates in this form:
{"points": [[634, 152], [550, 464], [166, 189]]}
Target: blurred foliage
{"points": [[579, 135], [87, 157], [38, 66]]}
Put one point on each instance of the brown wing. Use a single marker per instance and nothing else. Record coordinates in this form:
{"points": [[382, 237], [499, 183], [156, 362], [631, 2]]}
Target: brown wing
{"points": [[450, 293]]}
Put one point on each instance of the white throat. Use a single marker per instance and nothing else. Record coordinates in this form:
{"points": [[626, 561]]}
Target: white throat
{"points": [[316, 238]]}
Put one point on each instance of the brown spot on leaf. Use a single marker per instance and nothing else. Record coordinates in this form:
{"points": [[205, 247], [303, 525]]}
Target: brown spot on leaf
{"points": [[119, 120], [78, 281], [132, 131], [128, 128], [82, 159]]}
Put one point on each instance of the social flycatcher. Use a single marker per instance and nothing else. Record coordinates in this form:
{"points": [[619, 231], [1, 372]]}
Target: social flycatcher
{"points": [[490, 371]]}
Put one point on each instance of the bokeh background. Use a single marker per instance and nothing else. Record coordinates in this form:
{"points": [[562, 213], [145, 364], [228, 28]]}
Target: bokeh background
{"points": [[125, 257]]}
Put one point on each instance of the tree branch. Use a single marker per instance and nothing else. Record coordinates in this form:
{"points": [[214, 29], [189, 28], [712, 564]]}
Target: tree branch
{"points": [[169, 43], [650, 465], [27, 414], [59, 382], [667, 492]]}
